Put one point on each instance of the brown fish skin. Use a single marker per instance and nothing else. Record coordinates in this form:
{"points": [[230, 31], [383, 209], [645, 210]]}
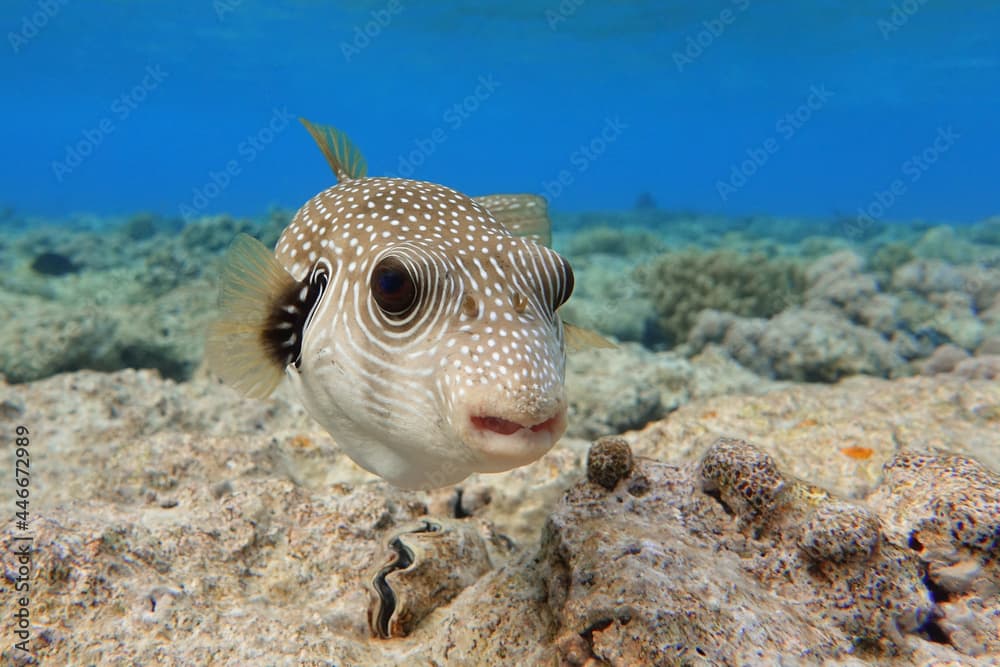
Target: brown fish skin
{"points": [[443, 390], [413, 324]]}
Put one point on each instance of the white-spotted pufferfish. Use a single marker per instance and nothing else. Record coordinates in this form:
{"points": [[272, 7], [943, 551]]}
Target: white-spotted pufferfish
{"points": [[419, 326]]}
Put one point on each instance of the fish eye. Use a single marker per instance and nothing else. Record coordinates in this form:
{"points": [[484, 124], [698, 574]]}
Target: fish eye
{"points": [[565, 288], [393, 288]]}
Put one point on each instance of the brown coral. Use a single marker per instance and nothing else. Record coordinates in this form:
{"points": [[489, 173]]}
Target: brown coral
{"points": [[608, 461], [840, 532], [746, 479], [945, 499]]}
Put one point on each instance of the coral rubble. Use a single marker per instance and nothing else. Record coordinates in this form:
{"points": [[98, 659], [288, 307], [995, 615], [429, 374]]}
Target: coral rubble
{"points": [[176, 522]]}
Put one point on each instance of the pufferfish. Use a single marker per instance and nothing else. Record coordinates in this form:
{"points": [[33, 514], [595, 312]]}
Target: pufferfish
{"points": [[417, 325]]}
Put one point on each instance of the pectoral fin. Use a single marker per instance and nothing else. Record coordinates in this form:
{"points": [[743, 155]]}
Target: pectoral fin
{"points": [[263, 312], [578, 338]]}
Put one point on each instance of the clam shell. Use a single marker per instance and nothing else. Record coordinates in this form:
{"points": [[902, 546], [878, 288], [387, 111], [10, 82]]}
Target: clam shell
{"points": [[426, 565]]}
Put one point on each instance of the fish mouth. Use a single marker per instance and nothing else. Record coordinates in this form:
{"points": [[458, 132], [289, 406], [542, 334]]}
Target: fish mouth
{"points": [[503, 443], [508, 427]]}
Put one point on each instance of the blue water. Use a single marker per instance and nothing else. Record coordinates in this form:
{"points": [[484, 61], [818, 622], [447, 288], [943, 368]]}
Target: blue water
{"points": [[856, 108]]}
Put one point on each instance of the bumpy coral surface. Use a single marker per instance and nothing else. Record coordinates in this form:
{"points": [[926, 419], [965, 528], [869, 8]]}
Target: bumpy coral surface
{"points": [[839, 532], [182, 524], [611, 391], [683, 284], [946, 508], [948, 498], [746, 479], [609, 461]]}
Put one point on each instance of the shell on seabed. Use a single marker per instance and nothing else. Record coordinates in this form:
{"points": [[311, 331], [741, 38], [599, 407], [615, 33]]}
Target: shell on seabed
{"points": [[426, 565]]}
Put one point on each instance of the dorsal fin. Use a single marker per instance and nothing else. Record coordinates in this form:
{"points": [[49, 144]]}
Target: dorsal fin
{"points": [[522, 215], [344, 158]]}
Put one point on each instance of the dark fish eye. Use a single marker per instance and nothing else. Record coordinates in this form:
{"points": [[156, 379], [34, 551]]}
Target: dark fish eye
{"points": [[567, 282], [393, 288]]}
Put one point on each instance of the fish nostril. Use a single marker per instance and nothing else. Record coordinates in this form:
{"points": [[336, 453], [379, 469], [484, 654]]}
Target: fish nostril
{"points": [[519, 302], [470, 307]]}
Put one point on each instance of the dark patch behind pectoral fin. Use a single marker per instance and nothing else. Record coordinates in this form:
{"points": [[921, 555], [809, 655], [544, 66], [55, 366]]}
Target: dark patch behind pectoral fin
{"points": [[262, 315], [522, 215]]}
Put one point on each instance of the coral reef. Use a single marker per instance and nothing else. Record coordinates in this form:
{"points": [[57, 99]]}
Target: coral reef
{"points": [[946, 508], [836, 284], [986, 231], [45, 336], [954, 304], [137, 296], [615, 241], [886, 258], [800, 301], [196, 251], [643, 575], [823, 552], [982, 366], [800, 344], [944, 359], [750, 521], [839, 436], [616, 390], [847, 324], [608, 299], [175, 522], [682, 285], [943, 243]]}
